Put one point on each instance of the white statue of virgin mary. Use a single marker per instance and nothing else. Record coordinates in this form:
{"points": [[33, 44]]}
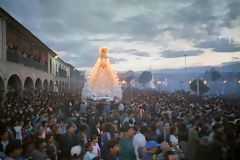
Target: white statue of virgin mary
{"points": [[103, 80]]}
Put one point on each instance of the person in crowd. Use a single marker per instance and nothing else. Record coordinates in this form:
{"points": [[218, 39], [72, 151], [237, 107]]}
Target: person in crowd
{"points": [[41, 131], [89, 155], [120, 107], [105, 138], [96, 148], [170, 155], [67, 141], [52, 147], [4, 137], [130, 119], [204, 150], [83, 108], [217, 127], [27, 133], [113, 150], [139, 142], [13, 151], [96, 130], [62, 126], [164, 147], [166, 132], [127, 151], [152, 148], [17, 129], [217, 145], [173, 136], [152, 135], [193, 141], [82, 135], [39, 151]]}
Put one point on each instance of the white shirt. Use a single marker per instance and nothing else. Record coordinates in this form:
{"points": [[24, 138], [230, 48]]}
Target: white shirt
{"points": [[139, 140], [4, 144], [120, 107], [18, 132]]}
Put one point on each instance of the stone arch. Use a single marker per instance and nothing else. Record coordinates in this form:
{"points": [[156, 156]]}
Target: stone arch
{"points": [[51, 86], [59, 86], [45, 85], [28, 84], [38, 84], [63, 86], [14, 84], [67, 86]]}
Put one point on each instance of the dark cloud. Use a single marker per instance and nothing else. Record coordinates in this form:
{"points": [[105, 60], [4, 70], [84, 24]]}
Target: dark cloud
{"points": [[235, 58], [77, 28], [177, 54], [220, 45], [131, 52], [142, 54], [233, 11], [125, 51], [116, 60]]}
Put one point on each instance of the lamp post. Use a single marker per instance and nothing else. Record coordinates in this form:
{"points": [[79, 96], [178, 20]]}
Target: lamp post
{"points": [[158, 84], [198, 87], [131, 82]]}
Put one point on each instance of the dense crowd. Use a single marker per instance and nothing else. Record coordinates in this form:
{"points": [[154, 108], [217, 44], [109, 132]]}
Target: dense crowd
{"points": [[152, 126]]}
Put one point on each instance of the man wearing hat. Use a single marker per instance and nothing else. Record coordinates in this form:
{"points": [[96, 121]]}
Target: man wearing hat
{"points": [[127, 151], [151, 149]]}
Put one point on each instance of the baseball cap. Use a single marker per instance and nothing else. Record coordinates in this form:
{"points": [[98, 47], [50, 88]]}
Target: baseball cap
{"points": [[151, 144]]}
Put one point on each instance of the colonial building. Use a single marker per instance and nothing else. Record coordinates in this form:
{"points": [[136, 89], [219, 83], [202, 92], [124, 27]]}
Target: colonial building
{"points": [[27, 64]]}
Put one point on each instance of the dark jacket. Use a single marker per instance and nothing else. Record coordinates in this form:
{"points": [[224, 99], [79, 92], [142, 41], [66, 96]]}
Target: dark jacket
{"points": [[66, 142]]}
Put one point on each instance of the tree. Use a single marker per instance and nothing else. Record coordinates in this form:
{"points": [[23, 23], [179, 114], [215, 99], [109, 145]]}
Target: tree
{"points": [[212, 75], [215, 75], [203, 88], [145, 77]]}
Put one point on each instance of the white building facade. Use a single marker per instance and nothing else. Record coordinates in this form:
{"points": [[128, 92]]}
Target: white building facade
{"points": [[26, 63]]}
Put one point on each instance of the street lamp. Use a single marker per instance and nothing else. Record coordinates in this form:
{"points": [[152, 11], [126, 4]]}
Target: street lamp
{"points": [[238, 81], [205, 82], [224, 84]]}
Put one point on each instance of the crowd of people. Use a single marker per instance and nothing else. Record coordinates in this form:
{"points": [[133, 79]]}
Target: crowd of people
{"points": [[152, 126]]}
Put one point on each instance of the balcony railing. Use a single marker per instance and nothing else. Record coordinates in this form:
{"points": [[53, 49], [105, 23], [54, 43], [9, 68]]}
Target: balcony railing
{"points": [[13, 56]]}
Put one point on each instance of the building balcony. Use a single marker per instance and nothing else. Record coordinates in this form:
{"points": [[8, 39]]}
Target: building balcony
{"points": [[13, 56]]}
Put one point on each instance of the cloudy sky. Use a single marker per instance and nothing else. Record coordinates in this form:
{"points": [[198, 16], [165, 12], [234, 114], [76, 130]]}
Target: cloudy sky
{"points": [[140, 34]]}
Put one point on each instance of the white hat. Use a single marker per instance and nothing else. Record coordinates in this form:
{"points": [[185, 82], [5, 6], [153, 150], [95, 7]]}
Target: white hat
{"points": [[76, 150]]}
